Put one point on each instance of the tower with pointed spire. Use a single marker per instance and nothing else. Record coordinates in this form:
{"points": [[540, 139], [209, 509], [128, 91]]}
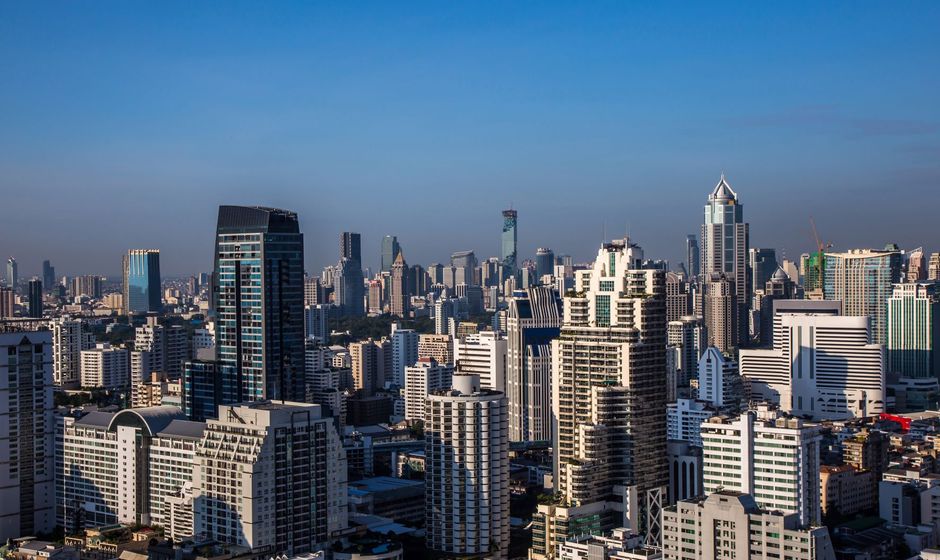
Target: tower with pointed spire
{"points": [[724, 254], [400, 298]]}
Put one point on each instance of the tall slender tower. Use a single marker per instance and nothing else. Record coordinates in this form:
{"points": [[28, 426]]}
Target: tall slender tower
{"points": [[724, 251], [608, 400], [13, 275], [259, 255], [400, 297], [390, 250], [509, 244], [693, 256], [142, 281]]}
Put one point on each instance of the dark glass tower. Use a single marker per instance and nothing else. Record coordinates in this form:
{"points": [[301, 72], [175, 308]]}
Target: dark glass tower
{"points": [[35, 298], [390, 250], [259, 304], [142, 281], [509, 243]]}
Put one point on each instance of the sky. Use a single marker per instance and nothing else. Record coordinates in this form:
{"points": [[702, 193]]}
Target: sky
{"points": [[125, 124]]}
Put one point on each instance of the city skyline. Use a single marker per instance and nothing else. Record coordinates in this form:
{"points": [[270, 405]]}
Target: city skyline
{"points": [[595, 118]]}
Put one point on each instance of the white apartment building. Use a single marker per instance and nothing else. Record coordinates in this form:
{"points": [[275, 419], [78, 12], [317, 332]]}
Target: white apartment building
{"points": [[106, 367], [422, 379], [271, 476], [404, 353], [821, 366], [773, 457], [482, 354], [124, 467], [684, 419], [730, 524], [69, 338], [718, 381], [467, 470]]}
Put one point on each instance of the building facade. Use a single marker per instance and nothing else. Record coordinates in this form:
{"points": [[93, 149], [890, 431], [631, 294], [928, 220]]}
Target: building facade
{"points": [[142, 292]]}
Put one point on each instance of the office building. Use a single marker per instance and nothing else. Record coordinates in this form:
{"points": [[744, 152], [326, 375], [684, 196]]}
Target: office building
{"points": [[914, 330], [399, 296], [693, 258], [724, 252], [533, 320], [464, 265], [271, 477], [7, 303], [721, 317], [678, 300], [821, 366], [350, 246], [125, 467], [718, 381], [437, 346], [368, 364], [27, 476], [685, 470], [608, 366], [482, 354], [105, 367], [48, 276], [142, 292], [933, 267], [316, 322], [467, 470], [762, 264], [730, 524], [509, 244], [544, 262], [863, 280], [404, 353], [843, 490], [69, 338], [313, 291], [349, 288], [688, 337], [421, 379], [90, 286], [684, 419], [745, 454], [34, 299], [167, 346], [390, 250], [13, 275]]}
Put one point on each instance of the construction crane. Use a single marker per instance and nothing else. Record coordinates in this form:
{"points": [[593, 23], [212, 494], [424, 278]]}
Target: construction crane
{"points": [[820, 248]]}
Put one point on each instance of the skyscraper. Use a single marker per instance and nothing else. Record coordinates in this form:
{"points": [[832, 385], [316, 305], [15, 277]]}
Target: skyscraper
{"points": [[509, 244], [27, 479], [467, 470], [34, 292], [259, 306], [69, 338], [48, 275], [400, 297], [914, 330], [390, 250], [693, 257], [762, 263], [349, 288], [7, 302], [724, 252], [484, 355], [544, 263], [350, 246], [532, 322], [720, 306], [863, 280], [142, 281], [608, 402], [13, 275]]}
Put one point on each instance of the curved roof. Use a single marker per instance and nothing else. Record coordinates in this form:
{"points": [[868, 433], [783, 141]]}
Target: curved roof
{"points": [[780, 274], [723, 191], [154, 418]]}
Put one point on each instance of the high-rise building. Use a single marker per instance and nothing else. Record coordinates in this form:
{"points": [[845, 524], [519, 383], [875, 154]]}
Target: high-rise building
{"points": [[745, 454], [48, 275], [863, 281], [693, 257], [761, 264], [142, 293], [404, 353], [729, 524], [678, 300], [69, 338], [316, 322], [13, 275], [484, 355], [914, 330], [821, 366], [684, 420], [533, 320], [464, 264], [348, 288], [368, 364], [544, 263], [509, 244], [88, 285], [688, 337], [608, 402], [106, 367], [390, 250], [34, 299], [400, 297], [933, 267], [916, 270], [313, 291], [7, 303], [467, 470], [125, 467], [718, 381], [721, 318], [437, 346], [167, 345], [271, 477], [259, 304], [421, 379], [350, 246], [27, 478], [724, 252]]}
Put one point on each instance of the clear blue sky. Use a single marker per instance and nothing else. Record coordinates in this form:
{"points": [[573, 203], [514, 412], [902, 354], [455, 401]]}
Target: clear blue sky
{"points": [[125, 124]]}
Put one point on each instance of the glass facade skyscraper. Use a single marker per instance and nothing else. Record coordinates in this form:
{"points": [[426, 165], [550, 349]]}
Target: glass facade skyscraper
{"points": [[390, 250], [142, 281], [863, 280], [509, 243], [259, 304]]}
